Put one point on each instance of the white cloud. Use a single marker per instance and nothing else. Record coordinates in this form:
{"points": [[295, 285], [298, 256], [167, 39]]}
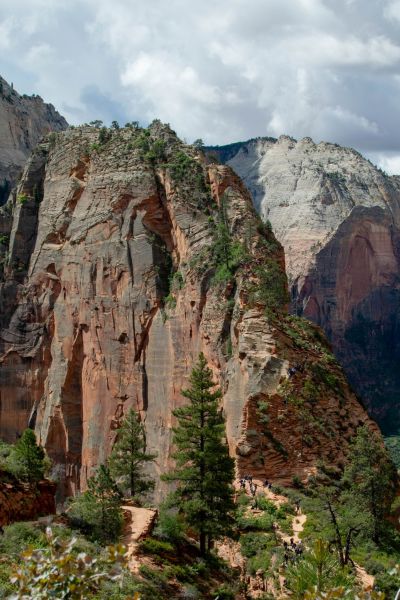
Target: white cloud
{"points": [[388, 162], [222, 70]]}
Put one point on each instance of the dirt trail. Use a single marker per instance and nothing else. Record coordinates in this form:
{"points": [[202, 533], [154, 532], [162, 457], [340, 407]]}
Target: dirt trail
{"points": [[138, 524]]}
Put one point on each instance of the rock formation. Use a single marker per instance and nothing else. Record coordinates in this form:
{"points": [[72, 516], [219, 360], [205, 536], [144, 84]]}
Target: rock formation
{"points": [[111, 287], [338, 218], [24, 120], [23, 501]]}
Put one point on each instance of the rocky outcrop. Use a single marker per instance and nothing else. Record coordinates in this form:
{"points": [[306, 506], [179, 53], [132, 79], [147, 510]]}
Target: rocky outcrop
{"points": [[338, 218], [113, 270], [23, 501], [24, 120]]}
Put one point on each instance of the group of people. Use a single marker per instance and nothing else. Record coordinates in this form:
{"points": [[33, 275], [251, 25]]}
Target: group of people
{"points": [[298, 367], [252, 486], [293, 550]]}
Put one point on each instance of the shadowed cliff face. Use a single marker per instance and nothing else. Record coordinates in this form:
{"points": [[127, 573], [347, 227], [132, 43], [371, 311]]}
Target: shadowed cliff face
{"points": [[337, 217], [108, 297], [23, 501], [24, 120]]}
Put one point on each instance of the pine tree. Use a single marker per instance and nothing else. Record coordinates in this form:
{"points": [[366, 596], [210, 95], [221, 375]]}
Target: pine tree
{"points": [[204, 471], [98, 510], [370, 476], [27, 459], [129, 456]]}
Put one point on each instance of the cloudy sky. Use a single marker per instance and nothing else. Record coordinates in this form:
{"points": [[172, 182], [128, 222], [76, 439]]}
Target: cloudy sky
{"points": [[222, 70]]}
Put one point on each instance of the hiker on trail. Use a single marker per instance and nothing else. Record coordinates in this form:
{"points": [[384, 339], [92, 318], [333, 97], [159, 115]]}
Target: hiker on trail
{"points": [[242, 484], [286, 558], [285, 545], [266, 484], [293, 545], [253, 489], [292, 371], [297, 505]]}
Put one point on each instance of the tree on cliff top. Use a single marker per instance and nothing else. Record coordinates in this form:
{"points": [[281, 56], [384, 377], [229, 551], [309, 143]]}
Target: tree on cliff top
{"points": [[129, 456], [27, 460], [204, 470]]}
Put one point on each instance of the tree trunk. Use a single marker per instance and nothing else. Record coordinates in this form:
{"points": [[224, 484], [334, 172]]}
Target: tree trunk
{"points": [[202, 543]]}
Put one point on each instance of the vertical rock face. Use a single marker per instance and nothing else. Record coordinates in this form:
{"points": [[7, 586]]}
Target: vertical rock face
{"points": [[23, 501], [109, 294], [338, 219], [24, 120]]}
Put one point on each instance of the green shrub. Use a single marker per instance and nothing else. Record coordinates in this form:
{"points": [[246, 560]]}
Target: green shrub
{"points": [[169, 525], [224, 592], [6, 587], [253, 543], [153, 546], [263, 522], [97, 512], [56, 571], [22, 198], [271, 290], [18, 536]]}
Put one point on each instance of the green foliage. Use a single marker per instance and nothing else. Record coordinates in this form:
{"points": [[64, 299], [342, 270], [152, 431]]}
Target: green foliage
{"points": [[199, 144], [17, 536], [319, 571], [129, 456], [253, 543], [249, 522], [271, 289], [27, 461], [115, 125], [336, 177], [204, 470], [97, 511], [170, 525], [181, 166], [104, 136], [5, 450], [226, 255], [6, 587], [57, 572], [370, 476], [153, 546], [22, 198], [392, 444]]}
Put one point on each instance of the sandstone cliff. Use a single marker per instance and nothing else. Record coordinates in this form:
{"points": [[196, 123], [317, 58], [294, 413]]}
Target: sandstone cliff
{"points": [[338, 218], [24, 120], [111, 288], [23, 501]]}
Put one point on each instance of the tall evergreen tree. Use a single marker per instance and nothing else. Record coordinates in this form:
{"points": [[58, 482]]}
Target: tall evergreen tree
{"points": [[98, 510], [204, 470], [129, 456], [371, 476], [27, 460]]}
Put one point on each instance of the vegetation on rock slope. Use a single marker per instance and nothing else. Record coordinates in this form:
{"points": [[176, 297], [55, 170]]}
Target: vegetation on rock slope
{"points": [[172, 564]]}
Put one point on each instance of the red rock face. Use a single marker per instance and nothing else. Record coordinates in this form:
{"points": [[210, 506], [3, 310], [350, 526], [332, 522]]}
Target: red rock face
{"points": [[353, 293], [24, 502], [96, 322], [337, 216], [24, 120]]}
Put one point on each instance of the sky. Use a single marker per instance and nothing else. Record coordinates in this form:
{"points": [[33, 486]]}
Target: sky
{"points": [[220, 70]]}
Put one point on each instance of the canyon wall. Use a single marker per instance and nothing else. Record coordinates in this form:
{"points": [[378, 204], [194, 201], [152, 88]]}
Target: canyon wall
{"points": [[111, 287], [338, 218], [24, 501], [24, 120]]}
